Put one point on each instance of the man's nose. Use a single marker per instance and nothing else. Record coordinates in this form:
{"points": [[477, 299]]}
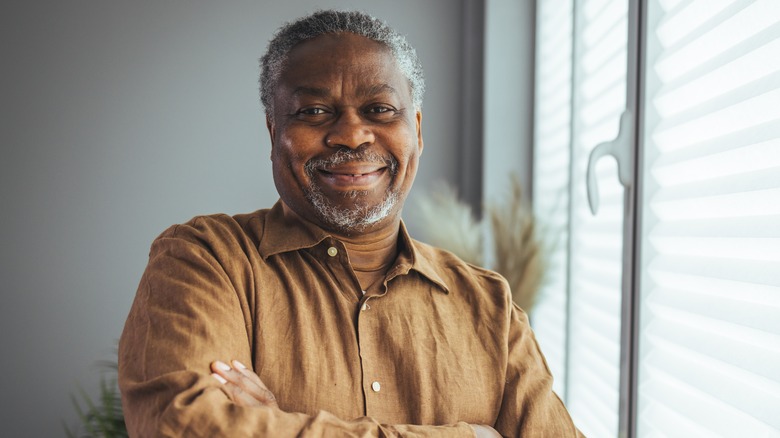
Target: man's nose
{"points": [[350, 130]]}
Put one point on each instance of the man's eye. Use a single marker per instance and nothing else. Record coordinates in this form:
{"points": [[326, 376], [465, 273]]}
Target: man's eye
{"points": [[379, 109], [312, 111]]}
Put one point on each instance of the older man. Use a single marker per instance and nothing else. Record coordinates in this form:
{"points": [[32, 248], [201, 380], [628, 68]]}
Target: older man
{"points": [[347, 326]]}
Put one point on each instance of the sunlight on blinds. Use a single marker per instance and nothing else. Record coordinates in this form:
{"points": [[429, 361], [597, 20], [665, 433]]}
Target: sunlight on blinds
{"points": [[710, 274], [596, 242], [552, 135]]}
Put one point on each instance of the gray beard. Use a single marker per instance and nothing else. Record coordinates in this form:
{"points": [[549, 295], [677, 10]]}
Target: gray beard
{"points": [[359, 216], [346, 219]]}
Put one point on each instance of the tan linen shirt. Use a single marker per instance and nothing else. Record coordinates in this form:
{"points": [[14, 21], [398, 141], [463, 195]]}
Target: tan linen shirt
{"points": [[441, 345]]}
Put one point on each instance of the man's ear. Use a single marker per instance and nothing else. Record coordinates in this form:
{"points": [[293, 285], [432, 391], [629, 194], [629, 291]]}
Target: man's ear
{"points": [[269, 123], [419, 131]]}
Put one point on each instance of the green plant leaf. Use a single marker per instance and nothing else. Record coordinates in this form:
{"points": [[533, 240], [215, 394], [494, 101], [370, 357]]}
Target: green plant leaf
{"points": [[102, 418]]}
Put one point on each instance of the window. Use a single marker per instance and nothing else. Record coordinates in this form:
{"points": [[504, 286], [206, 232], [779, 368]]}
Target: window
{"points": [[662, 315], [581, 93]]}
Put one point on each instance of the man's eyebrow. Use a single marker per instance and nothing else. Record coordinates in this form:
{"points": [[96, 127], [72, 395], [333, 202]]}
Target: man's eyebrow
{"points": [[311, 91], [377, 89], [373, 90]]}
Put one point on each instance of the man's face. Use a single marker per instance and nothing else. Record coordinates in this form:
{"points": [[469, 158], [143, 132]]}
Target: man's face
{"points": [[345, 134]]}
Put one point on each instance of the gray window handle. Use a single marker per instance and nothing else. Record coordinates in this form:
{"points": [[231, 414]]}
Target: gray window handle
{"points": [[620, 148]]}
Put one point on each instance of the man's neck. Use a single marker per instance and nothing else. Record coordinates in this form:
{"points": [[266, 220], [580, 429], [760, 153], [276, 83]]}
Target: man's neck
{"points": [[373, 250], [372, 254]]}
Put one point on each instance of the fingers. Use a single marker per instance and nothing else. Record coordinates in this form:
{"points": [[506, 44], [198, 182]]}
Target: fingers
{"points": [[249, 374], [243, 385], [483, 431], [265, 395]]}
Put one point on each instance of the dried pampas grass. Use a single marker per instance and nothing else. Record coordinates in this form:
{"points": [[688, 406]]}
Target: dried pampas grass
{"points": [[449, 224], [517, 248], [517, 251]]}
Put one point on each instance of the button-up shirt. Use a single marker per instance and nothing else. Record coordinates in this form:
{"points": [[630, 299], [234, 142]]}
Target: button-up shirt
{"points": [[440, 345]]}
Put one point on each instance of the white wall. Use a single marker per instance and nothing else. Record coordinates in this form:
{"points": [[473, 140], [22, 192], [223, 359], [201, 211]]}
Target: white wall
{"points": [[120, 118], [508, 115]]}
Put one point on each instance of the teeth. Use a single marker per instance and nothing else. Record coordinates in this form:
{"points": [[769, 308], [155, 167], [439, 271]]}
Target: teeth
{"points": [[354, 175]]}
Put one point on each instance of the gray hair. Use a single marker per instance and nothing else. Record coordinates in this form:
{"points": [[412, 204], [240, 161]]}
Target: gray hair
{"points": [[330, 21]]}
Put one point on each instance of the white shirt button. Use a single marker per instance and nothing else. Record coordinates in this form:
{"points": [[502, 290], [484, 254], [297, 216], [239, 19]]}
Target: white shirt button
{"points": [[376, 386], [332, 251], [364, 307]]}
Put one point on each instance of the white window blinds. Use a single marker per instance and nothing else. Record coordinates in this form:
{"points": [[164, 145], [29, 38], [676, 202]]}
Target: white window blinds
{"points": [[595, 286], [552, 133], [581, 92], [707, 200], [709, 362]]}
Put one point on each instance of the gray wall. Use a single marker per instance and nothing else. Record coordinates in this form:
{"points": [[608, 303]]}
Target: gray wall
{"points": [[121, 118], [508, 96]]}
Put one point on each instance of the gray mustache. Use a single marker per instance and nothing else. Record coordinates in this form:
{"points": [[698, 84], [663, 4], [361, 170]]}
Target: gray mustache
{"points": [[348, 155]]}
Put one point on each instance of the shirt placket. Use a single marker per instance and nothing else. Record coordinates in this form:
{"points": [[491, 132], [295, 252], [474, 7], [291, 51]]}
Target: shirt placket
{"points": [[369, 362], [366, 329]]}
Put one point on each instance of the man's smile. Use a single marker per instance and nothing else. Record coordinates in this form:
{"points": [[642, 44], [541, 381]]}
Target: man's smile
{"points": [[352, 176], [352, 171]]}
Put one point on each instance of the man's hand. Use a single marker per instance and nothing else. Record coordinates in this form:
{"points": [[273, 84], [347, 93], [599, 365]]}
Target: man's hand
{"points": [[483, 431], [243, 385]]}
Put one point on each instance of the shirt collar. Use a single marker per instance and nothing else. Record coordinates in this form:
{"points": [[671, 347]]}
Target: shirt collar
{"points": [[285, 231], [411, 258]]}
